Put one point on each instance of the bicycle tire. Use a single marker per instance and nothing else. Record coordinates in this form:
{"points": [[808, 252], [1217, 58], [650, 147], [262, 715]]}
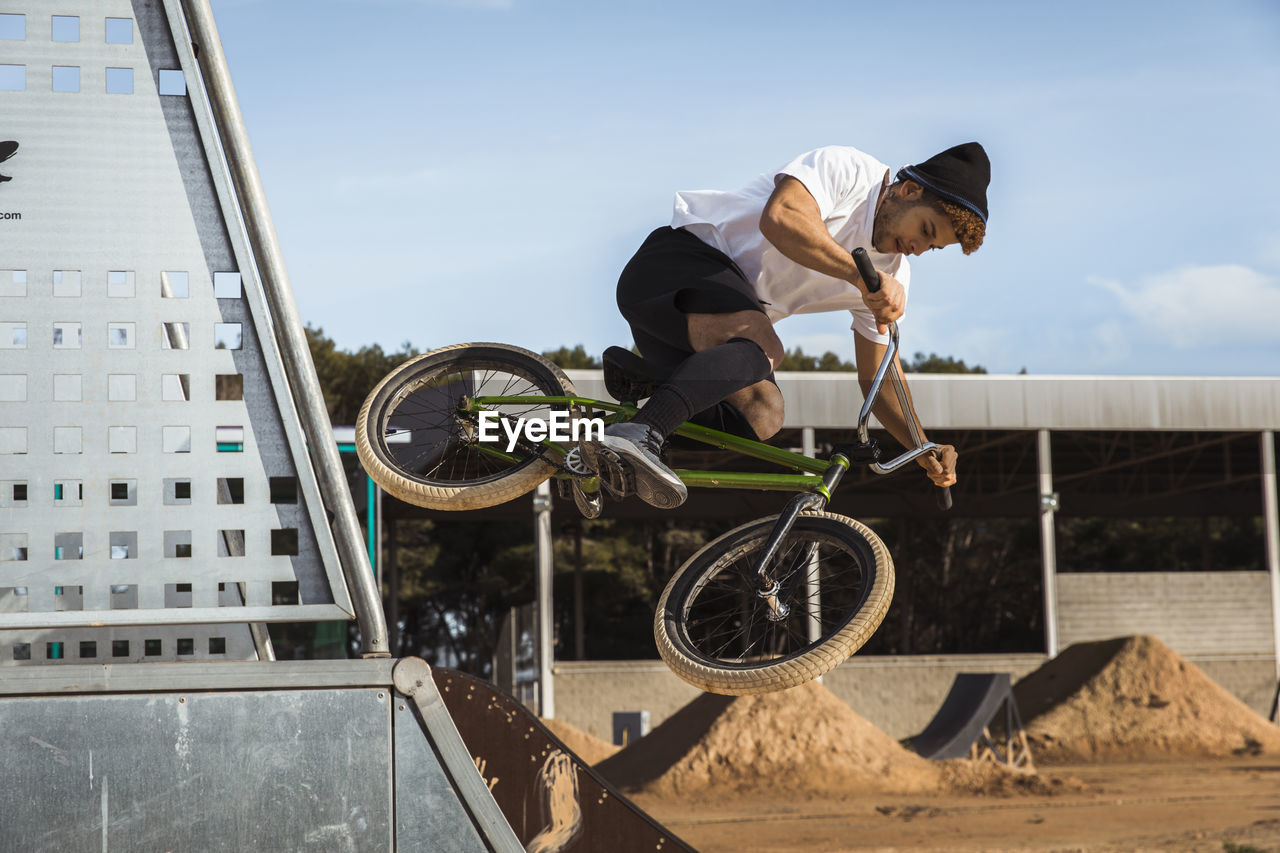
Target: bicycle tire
{"points": [[693, 627], [411, 421]]}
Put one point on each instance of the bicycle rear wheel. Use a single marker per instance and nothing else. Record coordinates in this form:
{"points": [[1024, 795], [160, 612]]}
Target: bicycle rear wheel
{"points": [[416, 442], [716, 632]]}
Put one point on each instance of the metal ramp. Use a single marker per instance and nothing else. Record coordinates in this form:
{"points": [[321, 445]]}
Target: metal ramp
{"points": [[359, 755], [167, 472], [961, 728], [169, 485]]}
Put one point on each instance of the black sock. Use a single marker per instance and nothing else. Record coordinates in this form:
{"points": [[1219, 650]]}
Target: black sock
{"points": [[702, 380], [665, 410]]}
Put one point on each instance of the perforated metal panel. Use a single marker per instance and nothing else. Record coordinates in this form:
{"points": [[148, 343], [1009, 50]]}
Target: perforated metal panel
{"points": [[152, 469]]}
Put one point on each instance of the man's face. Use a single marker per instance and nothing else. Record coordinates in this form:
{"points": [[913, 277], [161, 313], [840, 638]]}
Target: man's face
{"points": [[905, 225]]}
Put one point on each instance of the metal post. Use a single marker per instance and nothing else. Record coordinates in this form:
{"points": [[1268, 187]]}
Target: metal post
{"points": [[579, 629], [392, 576], [813, 591], [546, 648], [1271, 525], [376, 556], [303, 382], [1048, 547]]}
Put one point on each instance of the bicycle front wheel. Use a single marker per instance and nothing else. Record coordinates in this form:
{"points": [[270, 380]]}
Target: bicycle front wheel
{"points": [[717, 631], [416, 440]]}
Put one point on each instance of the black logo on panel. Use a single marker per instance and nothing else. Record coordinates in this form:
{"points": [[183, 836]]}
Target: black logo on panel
{"points": [[7, 150]]}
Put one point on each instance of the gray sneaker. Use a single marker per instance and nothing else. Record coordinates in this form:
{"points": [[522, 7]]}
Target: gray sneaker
{"points": [[636, 447]]}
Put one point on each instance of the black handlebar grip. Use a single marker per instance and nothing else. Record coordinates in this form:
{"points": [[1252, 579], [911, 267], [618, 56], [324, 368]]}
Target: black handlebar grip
{"points": [[866, 270], [944, 498]]}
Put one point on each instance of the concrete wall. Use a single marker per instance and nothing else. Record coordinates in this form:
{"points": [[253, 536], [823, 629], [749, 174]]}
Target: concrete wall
{"points": [[898, 694], [1194, 613]]}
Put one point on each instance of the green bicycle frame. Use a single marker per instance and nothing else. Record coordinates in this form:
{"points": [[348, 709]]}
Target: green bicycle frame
{"points": [[809, 471]]}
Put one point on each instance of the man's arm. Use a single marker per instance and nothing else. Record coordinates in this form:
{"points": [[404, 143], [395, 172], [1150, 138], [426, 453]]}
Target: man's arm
{"points": [[942, 471], [792, 222]]}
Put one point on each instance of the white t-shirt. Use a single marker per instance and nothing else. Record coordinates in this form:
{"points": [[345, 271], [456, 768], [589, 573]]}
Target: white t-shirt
{"points": [[846, 184]]}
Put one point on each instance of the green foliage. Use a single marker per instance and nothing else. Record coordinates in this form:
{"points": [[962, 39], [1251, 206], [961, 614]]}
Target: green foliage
{"points": [[458, 580], [346, 378], [796, 359], [574, 359], [1206, 543], [963, 586], [934, 363]]}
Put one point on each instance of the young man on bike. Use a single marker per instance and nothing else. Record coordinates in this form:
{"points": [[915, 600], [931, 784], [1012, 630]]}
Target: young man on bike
{"points": [[702, 295]]}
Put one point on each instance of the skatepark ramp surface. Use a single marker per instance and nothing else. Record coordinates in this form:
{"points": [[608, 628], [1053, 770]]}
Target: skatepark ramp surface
{"points": [[970, 706], [345, 755], [553, 800]]}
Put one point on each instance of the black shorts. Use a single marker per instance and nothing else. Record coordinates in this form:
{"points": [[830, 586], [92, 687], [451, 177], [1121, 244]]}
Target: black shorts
{"points": [[673, 274]]}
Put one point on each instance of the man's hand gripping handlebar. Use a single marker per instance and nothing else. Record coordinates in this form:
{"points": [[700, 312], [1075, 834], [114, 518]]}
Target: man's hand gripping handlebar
{"points": [[872, 280]]}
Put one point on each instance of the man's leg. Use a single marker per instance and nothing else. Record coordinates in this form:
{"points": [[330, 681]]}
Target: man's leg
{"points": [[692, 312], [729, 363], [761, 402]]}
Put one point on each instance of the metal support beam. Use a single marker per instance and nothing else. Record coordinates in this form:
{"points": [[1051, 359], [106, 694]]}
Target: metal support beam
{"points": [[546, 641], [303, 382], [812, 589], [1271, 526], [1048, 546]]}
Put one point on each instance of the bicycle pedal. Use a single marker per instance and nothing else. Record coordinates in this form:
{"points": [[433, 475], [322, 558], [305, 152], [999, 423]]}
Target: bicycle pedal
{"points": [[590, 506], [615, 477]]}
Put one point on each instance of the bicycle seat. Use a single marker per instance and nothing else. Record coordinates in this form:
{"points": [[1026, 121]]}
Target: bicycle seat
{"points": [[628, 377]]}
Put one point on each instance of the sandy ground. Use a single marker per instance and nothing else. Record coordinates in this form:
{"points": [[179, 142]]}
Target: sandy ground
{"points": [[1135, 749], [1186, 805]]}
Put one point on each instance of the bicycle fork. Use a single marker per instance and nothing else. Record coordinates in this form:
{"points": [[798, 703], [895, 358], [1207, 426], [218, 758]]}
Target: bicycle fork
{"points": [[769, 587]]}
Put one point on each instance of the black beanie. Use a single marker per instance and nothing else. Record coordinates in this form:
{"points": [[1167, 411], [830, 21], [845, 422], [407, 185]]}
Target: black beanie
{"points": [[959, 174]]}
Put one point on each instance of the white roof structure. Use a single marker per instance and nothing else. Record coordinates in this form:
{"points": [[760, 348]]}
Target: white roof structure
{"points": [[1005, 402]]}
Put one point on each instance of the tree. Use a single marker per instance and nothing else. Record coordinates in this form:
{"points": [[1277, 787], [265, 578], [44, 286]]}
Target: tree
{"points": [[934, 363], [346, 378], [573, 359], [796, 359]]}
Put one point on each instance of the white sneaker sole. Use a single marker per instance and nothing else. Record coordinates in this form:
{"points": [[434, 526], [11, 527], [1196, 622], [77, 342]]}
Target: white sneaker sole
{"points": [[655, 487]]}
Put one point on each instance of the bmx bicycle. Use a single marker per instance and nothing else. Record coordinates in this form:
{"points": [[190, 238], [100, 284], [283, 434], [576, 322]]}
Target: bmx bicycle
{"points": [[771, 604]]}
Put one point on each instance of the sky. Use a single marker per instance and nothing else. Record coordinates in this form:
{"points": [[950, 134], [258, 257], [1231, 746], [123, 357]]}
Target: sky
{"points": [[441, 172]]}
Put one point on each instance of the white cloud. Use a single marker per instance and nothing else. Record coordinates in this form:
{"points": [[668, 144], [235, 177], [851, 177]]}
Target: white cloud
{"points": [[1269, 255], [1193, 306], [1110, 349]]}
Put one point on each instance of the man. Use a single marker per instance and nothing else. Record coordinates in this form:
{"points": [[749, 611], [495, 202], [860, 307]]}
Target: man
{"points": [[702, 295]]}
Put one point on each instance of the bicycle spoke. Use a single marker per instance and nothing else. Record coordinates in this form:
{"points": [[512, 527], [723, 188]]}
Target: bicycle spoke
{"points": [[729, 621], [430, 437]]}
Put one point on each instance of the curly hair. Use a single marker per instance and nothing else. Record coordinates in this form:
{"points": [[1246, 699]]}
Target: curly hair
{"points": [[970, 229]]}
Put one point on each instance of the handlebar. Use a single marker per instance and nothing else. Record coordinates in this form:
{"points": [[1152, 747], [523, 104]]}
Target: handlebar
{"points": [[871, 278]]}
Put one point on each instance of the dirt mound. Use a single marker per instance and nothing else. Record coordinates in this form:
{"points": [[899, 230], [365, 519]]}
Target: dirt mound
{"points": [[1134, 698], [802, 741], [589, 748], [962, 776]]}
